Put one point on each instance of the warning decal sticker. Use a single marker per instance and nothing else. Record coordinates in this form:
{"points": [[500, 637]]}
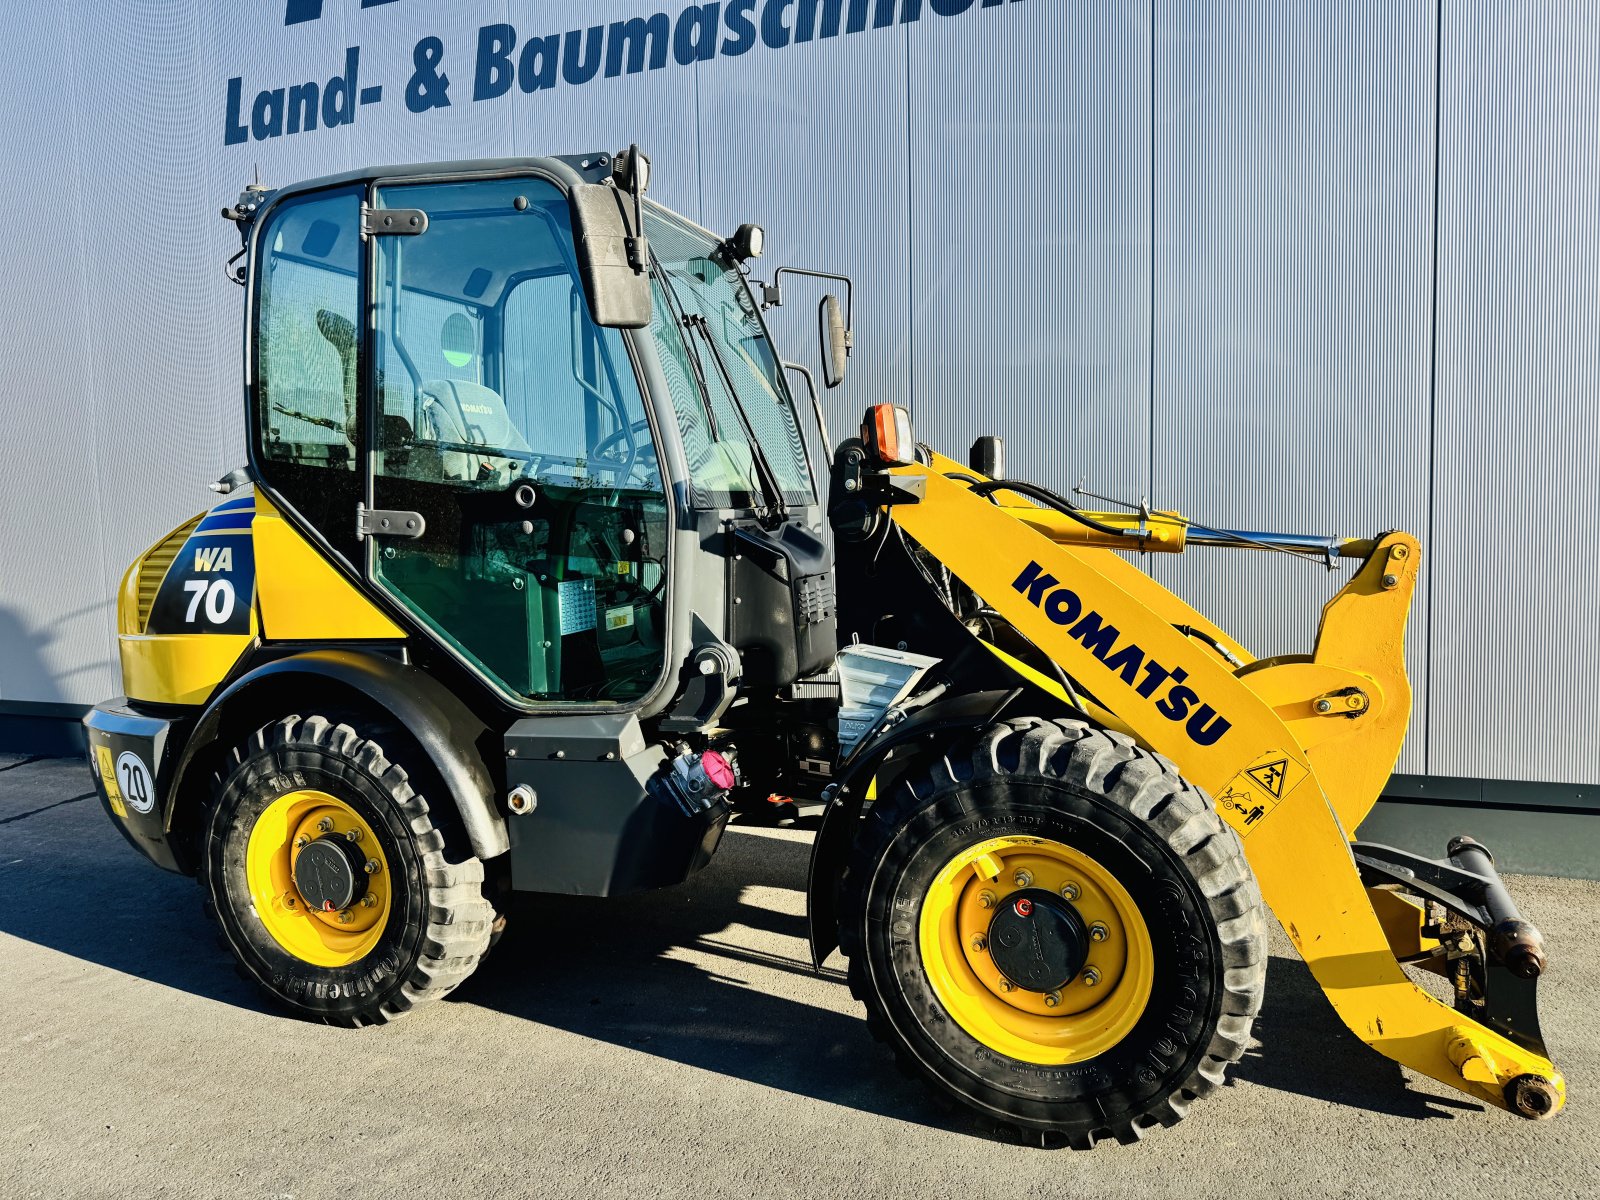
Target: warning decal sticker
{"points": [[1252, 794], [1270, 776]]}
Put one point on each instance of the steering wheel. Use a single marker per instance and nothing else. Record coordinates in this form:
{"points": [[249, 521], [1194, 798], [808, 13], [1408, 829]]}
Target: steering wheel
{"points": [[601, 447], [623, 466]]}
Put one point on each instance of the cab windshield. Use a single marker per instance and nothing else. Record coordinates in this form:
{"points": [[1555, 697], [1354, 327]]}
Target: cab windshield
{"points": [[710, 336]]}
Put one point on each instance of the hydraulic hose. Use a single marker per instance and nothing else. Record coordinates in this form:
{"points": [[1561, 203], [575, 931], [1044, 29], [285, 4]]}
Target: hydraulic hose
{"points": [[1045, 496]]}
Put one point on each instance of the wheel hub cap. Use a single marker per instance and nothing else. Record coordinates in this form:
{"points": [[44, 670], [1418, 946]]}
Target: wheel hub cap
{"points": [[330, 874], [1035, 949], [1038, 941]]}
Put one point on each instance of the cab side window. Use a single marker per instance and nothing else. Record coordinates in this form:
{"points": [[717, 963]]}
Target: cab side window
{"points": [[306, 349], [308, 357]]}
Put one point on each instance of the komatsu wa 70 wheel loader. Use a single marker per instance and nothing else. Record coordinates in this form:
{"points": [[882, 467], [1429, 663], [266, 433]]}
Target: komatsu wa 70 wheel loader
{"points": [[534, 577]]}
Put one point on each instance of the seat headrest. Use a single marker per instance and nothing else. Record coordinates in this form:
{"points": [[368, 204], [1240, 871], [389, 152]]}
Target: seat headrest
{"points": [[480, 412]]}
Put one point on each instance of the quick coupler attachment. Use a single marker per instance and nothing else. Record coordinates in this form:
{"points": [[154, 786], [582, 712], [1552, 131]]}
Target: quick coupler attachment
{"points": [[1454, 917]]}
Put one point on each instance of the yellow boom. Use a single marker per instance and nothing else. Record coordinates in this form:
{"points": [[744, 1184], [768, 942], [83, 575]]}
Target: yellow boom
{"points": [[1294, 749]]}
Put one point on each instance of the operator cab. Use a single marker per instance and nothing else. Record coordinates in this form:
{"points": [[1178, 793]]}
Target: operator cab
{"points": [[432, 398]]}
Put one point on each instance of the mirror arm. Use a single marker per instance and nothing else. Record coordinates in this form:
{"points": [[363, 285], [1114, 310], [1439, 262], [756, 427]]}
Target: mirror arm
{"points": [[772, 294], [638, 246]]}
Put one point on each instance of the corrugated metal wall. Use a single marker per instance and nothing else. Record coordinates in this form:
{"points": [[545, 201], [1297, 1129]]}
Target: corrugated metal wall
{"points": [[1293, 282], [1324, 268], [1514, 666]]}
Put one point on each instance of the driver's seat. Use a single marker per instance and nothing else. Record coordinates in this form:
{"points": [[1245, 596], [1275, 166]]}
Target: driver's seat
{"points": [[469, 414]]}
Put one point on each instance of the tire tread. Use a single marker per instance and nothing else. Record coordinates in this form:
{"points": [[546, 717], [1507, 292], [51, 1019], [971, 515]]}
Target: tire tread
{"points": [[459, 916], [1148, 786]]}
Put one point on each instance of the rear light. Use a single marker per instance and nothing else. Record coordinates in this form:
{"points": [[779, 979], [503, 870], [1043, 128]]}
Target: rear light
{"points": [[886, 430]]}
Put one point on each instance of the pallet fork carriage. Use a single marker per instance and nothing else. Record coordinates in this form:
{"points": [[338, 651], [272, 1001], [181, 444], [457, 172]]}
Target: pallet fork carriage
{"points": [[538, 581]]}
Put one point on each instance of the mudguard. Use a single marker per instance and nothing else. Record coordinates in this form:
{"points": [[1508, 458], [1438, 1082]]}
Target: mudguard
{"points": [[969, 711], [452, 737]]}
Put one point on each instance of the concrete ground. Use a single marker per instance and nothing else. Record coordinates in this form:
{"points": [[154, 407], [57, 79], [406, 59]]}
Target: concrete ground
{"points": [[673, 1044]]}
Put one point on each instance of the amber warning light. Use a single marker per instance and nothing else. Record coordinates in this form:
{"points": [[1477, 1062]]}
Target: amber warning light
{"points": [[887, 433]]}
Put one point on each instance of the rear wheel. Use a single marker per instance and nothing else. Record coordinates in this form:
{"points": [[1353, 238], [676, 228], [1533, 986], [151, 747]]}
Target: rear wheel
{"points": [[334, 882], [1053, 928]]}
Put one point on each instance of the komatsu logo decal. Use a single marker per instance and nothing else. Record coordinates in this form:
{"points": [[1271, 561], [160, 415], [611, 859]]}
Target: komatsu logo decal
{"points": [[1138, 670]]}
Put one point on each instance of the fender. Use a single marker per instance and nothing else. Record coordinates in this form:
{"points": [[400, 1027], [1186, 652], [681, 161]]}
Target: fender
{"points": [[445, 729], [970, 711]]}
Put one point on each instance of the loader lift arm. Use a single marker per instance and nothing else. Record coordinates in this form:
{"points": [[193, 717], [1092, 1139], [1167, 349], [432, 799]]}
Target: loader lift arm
{"points": [[1294, 749]]}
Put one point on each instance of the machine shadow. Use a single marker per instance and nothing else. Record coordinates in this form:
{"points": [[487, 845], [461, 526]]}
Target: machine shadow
{"points": [[1303, 1047], [684, 974], [633, 971], [66, 879], [616, 971]]}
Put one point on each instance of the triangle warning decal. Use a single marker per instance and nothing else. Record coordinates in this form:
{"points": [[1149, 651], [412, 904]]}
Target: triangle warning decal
{"points": [[1271, 775]]}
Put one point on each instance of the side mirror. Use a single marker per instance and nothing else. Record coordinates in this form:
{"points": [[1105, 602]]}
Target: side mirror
{"points": [[836, 340], [612, 259]]}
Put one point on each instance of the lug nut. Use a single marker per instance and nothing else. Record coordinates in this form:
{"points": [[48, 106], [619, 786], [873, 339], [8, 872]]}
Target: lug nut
{"points": [[1023, 878], [325, 825], [1051, 999], [301, 842], [986, 900], [346, 917], [369, 901], [353, 835], [1070, 891], [1007, 986], [980, 943], [372, 866], [1098, 932], [1091, 977], [289, 902]]}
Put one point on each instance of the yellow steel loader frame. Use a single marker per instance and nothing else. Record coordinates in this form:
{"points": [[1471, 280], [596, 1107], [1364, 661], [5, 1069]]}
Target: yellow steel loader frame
{"points": [[1299, 746]]}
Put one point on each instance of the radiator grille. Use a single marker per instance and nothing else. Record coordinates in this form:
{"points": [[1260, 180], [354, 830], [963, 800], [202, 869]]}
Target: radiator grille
{"points": [[154, 565]]}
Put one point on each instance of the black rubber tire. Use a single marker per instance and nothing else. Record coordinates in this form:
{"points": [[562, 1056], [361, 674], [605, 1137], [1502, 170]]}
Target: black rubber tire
{"points": [[440, 921], [1124, 806]]}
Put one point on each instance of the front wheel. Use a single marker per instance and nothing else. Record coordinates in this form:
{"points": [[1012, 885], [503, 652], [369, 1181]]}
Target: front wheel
{"points": [[1054, 929], [342, 894]]}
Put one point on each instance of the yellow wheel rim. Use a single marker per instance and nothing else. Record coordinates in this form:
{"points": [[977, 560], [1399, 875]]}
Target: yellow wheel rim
{"points": [[1091, 1014], [323, 939]]}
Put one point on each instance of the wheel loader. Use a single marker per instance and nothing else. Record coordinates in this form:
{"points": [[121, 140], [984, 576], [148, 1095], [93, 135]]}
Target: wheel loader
{"points": [[540, 568]]}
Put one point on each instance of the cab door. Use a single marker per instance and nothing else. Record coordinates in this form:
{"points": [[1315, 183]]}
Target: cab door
{"points": [[516, 503]]}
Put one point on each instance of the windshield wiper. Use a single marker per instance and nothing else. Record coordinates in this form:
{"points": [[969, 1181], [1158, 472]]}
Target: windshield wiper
{"points": [[682, 321], [766, 478], [777, 510], [319, 422]]}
